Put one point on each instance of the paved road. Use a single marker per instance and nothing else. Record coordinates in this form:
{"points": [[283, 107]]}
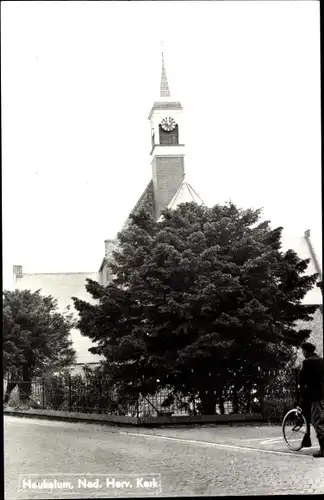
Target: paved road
{"points": [[209, 460]]}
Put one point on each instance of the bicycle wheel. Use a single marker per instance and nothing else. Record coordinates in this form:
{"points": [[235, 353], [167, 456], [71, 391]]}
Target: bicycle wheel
{"points": [[294, 429]]}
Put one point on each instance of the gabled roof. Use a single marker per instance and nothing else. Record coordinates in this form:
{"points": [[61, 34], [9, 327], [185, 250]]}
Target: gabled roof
{"points": [[185, 194], [145, 201]]}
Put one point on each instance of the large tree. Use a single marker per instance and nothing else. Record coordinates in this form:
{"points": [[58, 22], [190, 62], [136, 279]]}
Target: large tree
{"points": [[36, 338], [202, 301]]}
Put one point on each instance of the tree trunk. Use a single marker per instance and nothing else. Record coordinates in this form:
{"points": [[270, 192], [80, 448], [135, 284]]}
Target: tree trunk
{"points": [[207, 402]]}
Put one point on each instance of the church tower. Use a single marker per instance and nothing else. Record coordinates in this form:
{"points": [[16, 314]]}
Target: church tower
{"points": [[167, 153]]}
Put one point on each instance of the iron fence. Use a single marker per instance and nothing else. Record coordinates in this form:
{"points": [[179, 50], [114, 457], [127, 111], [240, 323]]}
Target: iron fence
{"points": [[93, 394], [88, 398]]}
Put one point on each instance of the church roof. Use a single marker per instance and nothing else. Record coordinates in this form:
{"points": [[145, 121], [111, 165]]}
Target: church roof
{"points": [[185, 194], [145, 201]]}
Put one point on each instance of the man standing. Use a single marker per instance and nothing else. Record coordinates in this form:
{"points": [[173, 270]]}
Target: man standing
{"points": [[312, 388]]}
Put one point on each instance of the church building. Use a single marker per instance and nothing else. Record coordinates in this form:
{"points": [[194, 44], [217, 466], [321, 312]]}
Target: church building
{"points": [[167, 188]]}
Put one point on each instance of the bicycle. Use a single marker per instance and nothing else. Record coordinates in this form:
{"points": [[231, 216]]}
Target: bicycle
{"points": [[294, 428]]}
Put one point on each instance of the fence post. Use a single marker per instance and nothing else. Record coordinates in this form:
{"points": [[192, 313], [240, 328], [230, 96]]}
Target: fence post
{"points": [[70, 393], [137, 406], [101, 394], [43, 385]]}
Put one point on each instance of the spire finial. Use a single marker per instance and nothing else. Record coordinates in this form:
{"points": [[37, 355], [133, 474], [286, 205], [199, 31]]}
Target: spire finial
{"points": [[164, 86]]}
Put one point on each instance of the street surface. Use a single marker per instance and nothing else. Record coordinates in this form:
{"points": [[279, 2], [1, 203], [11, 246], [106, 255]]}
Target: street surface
{"points": [[201, 460]]}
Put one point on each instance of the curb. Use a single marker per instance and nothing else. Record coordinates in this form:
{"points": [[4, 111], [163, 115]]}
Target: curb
{"points": [[66, 416], [136, 421]]}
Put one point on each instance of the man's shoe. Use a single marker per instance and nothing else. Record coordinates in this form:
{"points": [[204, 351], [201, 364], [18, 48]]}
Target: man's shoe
{"points": [[306, 443], [320, 453]]}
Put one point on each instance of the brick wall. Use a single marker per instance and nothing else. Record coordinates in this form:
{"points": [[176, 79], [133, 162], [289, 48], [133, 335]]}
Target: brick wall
{"points": [[168, 174]]}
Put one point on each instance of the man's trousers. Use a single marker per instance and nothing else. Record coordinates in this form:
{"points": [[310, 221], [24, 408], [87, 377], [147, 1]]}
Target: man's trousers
{"points": [[318, 418]]}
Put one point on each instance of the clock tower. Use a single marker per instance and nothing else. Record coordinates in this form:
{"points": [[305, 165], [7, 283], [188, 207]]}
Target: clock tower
{"points": [[167, 154]]}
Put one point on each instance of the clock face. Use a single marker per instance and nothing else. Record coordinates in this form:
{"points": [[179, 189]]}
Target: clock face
{"points": [[168, 124]]}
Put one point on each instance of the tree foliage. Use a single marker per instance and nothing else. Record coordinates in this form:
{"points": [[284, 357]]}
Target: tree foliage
{"points": [[36, 338], [201, 302]]}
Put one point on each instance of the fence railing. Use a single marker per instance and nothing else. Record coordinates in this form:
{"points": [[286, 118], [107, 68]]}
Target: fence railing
{"points": [[76, 393]]}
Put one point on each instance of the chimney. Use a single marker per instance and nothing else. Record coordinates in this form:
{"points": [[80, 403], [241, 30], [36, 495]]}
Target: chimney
{"points": [[18, 271], [110, 246]]}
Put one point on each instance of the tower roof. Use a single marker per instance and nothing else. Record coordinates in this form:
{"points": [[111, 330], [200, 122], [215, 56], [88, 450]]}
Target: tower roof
{"points": [[164, 85], [164, 102]]}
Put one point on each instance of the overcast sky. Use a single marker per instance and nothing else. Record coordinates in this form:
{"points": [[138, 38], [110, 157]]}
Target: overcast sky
{"points": [[79, 80]]}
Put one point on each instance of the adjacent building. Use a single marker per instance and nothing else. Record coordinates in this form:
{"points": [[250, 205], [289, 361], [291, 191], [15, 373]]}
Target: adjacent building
{"points": [[62, 286]]}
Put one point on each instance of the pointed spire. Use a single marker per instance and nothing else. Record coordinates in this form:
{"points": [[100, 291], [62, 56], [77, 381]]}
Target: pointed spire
{"points": [[164, 86]]}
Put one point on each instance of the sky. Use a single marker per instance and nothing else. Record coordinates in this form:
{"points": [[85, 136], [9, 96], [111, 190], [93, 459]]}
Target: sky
{"points": [[79, 80]]}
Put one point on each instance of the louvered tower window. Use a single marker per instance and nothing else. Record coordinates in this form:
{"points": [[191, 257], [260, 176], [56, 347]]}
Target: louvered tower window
{"points": [[169, 138]]}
